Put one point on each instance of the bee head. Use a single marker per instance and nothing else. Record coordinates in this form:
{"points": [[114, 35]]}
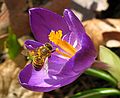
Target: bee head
{"points": [[48, 45]]}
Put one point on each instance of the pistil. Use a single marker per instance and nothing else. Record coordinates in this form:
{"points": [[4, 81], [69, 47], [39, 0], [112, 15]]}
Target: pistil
{"points": [[56, 38]]}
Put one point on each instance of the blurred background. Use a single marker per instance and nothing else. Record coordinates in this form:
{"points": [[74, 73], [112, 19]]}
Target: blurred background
{"points": [[101, 19]]}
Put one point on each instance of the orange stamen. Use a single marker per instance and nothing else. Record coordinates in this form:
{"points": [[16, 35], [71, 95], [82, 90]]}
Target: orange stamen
{"points": [[63, 54], [56, 37]]}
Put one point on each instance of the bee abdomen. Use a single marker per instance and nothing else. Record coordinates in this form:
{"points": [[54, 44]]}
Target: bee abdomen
{"points": [[38, 63]]}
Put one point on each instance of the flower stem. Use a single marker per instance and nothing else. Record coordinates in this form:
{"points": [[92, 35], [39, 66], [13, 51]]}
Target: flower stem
{"points": [[97, 93], [101, 74]]}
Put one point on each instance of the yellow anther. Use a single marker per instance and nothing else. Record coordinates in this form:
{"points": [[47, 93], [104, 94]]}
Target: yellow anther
{"points": [[56, 38], [60, 33]]}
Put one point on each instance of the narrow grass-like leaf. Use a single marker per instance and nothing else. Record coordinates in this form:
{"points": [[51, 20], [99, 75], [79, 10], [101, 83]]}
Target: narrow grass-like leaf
{"points": [[12, 45], [101, 74], [97, 93]]}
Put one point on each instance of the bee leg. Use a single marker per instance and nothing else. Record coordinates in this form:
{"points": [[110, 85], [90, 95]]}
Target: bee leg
{"points": [[49, 56], [53, 51], [37, 69]]}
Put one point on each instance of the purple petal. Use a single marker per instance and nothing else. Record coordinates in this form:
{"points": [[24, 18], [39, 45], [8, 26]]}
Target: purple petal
{"points": [[42, 81], [31, 44], [77, 30], [56, 64], [66, 37], [73, 23], [42, 21], [86, 54], [73, 39], [83, 59]]}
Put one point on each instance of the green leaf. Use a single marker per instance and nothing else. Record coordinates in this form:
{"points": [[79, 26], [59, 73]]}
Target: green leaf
{"points": [[101, 74], [97, 93], [113, 61], [12, 45]]}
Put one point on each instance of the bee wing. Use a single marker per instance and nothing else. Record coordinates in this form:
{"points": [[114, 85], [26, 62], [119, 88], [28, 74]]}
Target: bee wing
{"points": [[25, 52], [46, 65]]}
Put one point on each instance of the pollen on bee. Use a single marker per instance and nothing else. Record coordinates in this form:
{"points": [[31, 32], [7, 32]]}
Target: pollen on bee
{"points": [[31, 53]]}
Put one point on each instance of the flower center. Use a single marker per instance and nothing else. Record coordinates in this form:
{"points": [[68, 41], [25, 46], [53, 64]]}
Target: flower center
{"points": [[56, 38]]}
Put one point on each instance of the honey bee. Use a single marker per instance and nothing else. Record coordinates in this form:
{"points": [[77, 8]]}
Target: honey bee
{"points": [[39, 55]]}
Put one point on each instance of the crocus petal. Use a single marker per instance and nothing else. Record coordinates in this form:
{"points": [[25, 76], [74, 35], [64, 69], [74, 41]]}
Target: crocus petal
{"points": [[31, 79], [73, 39], [55, 64], [86, 55], [73, 23], [43, 21], [31, 44], [76, 28], [84, 58]]}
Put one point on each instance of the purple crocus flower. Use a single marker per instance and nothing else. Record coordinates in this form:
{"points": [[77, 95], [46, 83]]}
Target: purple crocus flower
{"points": [[74, 51]]}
